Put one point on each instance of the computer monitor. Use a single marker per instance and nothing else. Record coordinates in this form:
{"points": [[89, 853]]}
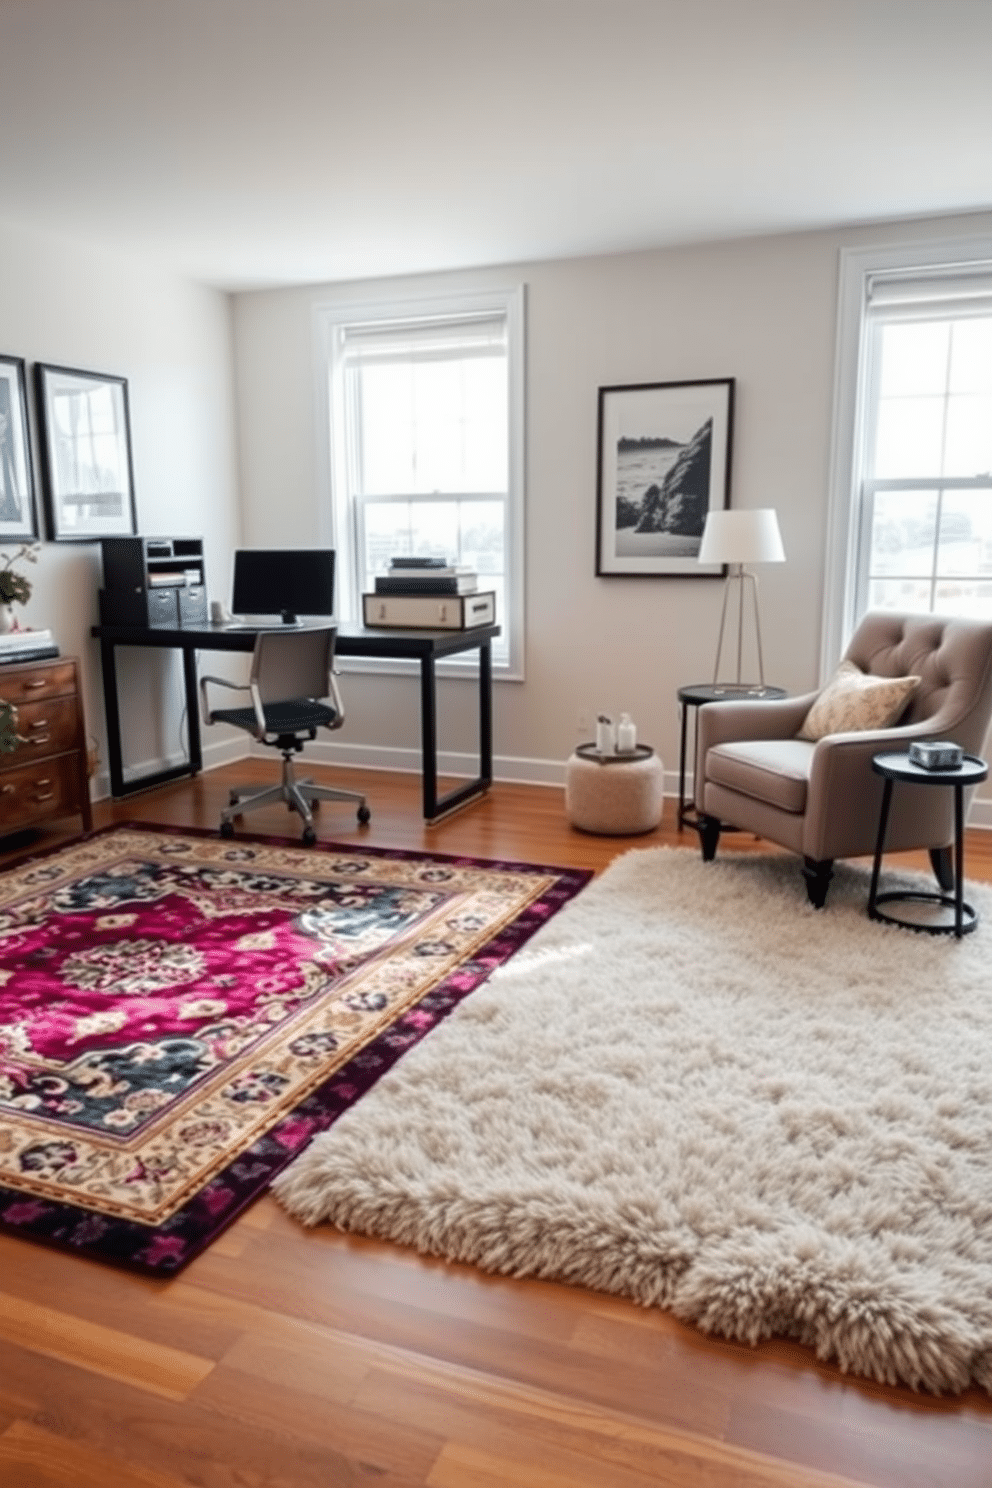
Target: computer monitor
{"points": [[287, 582]]}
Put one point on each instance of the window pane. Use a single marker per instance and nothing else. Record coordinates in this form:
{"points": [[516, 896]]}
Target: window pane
{"points": [[968, 448], [909, 437], [483, 539], [899, 594], [966, 533], [971, 356], [384, 404], [387, 535], [398, 528], [903, 533], [433, 426], [914, 358], [973, 599], [434, 529]]}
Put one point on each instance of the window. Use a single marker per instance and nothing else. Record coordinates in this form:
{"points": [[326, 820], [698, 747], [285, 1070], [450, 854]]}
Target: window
{"points": [[425, 411], [926, 498], [911, 518]]}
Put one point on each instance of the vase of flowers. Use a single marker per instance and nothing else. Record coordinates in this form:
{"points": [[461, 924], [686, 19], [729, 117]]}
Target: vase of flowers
{"points": [[15, 587]]}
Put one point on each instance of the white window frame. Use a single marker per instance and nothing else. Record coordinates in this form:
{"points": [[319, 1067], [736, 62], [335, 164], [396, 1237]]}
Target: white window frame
{"points": [[851, 371], [336, 518]]}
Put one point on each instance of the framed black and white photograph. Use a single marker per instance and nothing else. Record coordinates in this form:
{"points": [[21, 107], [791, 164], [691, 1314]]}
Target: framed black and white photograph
{"points": [[664, 463], [85, 437], [17, 507]]}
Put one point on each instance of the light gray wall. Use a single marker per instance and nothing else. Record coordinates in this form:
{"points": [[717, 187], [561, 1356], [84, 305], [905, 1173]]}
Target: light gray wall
{"points": [[760, 310], [63, 303]]}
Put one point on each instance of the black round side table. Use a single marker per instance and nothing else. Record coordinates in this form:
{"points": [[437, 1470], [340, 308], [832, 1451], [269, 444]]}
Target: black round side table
{"points": [[695, 695], [897, 766]]}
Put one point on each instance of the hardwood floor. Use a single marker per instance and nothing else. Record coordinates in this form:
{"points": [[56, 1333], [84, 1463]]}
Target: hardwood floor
{"points": [[304, 1359]]}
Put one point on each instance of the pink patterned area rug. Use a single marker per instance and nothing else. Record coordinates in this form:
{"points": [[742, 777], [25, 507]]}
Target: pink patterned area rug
{"points": [[180, 1015]]}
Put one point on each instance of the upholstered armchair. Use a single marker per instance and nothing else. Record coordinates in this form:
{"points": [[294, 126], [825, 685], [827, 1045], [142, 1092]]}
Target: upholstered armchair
{"points": [[818, 796]]}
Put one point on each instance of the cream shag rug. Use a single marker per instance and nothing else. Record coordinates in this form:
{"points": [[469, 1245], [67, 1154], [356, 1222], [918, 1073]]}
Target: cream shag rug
{"points": [[692, 1089]]}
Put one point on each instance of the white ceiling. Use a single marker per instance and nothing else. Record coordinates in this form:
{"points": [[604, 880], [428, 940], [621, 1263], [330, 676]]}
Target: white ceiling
{"points": [[256, 142]]}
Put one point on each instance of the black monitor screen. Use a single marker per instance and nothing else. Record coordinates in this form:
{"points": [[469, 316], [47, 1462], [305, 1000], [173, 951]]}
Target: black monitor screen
{"points": [[283, 581]]}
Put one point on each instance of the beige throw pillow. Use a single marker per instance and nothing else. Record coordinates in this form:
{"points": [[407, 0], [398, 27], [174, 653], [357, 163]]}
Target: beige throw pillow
{"points": [[853, 701]]}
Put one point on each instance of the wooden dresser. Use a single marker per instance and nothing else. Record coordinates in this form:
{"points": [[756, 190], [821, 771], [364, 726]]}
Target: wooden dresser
{"points": [[45, 776]]}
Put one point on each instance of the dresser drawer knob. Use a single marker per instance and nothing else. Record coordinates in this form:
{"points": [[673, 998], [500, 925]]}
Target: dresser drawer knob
{"points": [[38, 682], [45, 796], [39, 723], [8, 790], [40, 739]]}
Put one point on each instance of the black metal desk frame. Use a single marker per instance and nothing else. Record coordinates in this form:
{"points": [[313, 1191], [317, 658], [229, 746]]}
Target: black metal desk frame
{"points": [[897, 766], [423, 646], [697, 695]]}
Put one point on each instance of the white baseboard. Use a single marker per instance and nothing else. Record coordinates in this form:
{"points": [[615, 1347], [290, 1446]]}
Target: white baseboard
{"points": [[518, 769], [226, 752]]}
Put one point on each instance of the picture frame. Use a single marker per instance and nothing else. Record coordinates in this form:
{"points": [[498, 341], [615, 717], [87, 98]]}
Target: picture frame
{"points": [[85, 438], [18, 512], [664, 451]]}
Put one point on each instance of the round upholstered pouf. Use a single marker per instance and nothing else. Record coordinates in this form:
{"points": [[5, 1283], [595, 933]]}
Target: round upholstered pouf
{"points": [[615, 798]]}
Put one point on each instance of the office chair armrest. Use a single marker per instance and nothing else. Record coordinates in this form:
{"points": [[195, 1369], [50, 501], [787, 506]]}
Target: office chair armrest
{"points": [[205, 708], [335, 697]]}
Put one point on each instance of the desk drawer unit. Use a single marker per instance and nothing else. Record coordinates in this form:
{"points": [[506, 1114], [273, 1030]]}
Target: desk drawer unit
{"points": [[45, 776], [33, 681], [46, 788]]}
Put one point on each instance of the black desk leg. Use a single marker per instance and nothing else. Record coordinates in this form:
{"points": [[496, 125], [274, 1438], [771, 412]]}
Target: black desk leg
{"points": [[485, 715], [883, 822], [436, 806], [428, 734], [192, 711], [111, 706]]}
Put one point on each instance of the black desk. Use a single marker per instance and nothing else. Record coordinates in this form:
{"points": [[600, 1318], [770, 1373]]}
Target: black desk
{"points": [[424, 646]]}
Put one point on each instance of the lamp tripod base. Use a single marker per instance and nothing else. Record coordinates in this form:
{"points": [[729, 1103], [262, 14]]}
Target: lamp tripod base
{"points": [[741, 575]]}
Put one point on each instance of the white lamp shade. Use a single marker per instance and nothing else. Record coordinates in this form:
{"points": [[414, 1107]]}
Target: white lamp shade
{"points": [[750, 536]]}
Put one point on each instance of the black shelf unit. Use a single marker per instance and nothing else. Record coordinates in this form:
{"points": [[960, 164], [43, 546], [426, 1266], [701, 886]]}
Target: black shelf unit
{"points": [[157, 581]]}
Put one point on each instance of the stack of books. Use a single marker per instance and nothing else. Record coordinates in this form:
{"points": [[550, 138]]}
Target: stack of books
{"points": [[428, 593], [427, 576], [27, 645]]}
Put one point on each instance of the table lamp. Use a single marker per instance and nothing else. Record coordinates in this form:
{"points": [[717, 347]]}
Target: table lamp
{"points": [[738, 538]]}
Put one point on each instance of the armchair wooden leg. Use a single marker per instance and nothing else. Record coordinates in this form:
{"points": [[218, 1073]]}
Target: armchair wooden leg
{"points": [[709, 836], [942, 863], [817, 875]]}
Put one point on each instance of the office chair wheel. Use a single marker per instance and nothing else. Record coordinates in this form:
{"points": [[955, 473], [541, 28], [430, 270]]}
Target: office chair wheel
{"points": [[364, 815], [227, 829], [309, 836]]}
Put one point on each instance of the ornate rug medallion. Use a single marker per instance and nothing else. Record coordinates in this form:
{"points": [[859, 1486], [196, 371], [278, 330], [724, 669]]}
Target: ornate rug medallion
{"points": [[180, 1015]]}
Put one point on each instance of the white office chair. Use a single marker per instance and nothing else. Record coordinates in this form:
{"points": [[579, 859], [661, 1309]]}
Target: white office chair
{"points": [[290, 673]]}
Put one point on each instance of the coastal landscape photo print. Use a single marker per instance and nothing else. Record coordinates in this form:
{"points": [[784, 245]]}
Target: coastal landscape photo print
{"points": [[664, 462]]}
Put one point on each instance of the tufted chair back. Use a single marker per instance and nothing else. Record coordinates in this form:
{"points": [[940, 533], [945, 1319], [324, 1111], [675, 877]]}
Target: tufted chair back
{"points": [[952, 657]]}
